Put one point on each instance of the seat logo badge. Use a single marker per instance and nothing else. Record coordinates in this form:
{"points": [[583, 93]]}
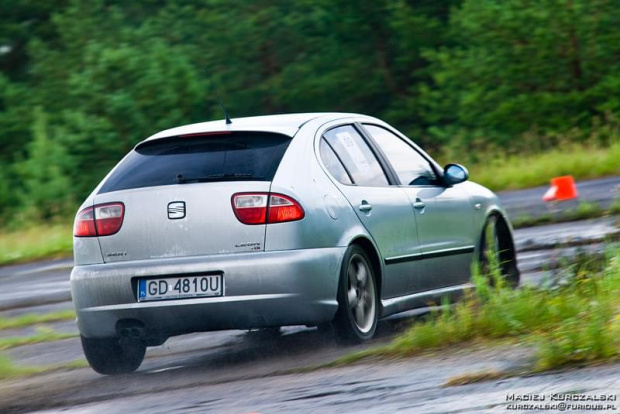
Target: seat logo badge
{"points": [[176, 210]]}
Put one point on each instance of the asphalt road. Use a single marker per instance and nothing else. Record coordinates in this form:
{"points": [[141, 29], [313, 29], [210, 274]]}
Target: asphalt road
{"points": [[241, 372], [411, 386]]}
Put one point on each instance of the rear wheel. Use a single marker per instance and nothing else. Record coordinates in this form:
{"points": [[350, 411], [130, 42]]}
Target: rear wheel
{"points": [[111, 356], [358, 301]]}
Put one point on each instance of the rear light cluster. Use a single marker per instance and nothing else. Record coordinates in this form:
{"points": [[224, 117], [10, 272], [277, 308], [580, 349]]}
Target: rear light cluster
{"points": [[263, 208], [100, 220], [250, 208]]}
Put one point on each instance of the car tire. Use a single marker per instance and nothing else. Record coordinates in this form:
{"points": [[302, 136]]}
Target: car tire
{"points": [[497, 241], [358, 300], [111, 356]]}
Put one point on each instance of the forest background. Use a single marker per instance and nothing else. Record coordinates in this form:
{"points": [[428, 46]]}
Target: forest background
{"points": [[517, 90]]}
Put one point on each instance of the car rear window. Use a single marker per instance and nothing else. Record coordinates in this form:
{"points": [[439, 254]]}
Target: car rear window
{"points": [[250, 156]]}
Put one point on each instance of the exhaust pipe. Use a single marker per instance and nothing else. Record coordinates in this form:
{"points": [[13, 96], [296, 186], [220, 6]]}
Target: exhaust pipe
{"points": [[133, 333], [133, 330]]}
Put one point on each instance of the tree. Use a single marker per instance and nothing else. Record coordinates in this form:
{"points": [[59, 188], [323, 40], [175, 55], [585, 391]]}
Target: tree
{"points": [[22, 21], [47, 190], [518, 64], [109, 86]]}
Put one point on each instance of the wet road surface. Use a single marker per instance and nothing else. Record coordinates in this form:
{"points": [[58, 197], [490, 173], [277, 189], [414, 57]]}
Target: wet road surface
{"points": [[241, 372], [411, 386]]}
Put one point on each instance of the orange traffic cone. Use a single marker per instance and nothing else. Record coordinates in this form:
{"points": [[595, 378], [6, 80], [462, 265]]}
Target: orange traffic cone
{"points": [[562, 188]]}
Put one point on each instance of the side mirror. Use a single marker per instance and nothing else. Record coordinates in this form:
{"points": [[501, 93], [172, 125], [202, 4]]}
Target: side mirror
{"points": [[455, 174]]}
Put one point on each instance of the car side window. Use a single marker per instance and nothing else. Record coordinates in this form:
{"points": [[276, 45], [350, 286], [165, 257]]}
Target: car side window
{"points": [[356, 156], [410, 166], [333, 164]]}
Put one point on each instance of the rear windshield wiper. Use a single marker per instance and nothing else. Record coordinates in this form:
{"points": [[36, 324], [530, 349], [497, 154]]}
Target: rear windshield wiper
{"points": [[181, 179]]}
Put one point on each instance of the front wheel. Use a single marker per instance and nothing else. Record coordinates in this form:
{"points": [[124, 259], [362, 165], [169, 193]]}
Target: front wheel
{"points": [[110, 356], [497, 251], [358, 301]]}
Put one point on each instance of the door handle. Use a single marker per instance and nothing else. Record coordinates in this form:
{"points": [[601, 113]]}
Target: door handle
{"points": [[419, 204], [365, 206]]}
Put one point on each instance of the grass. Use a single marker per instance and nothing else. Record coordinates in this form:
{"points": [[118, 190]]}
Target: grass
{"points": [[583, 211], [574, 320], [511, 172], [77, 364], [38, 242], [8, 369], [34, 319], [474, 377], [41, 335]]}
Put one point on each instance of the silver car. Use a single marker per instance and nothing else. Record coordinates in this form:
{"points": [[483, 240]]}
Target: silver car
{"points": [[301, 219]]}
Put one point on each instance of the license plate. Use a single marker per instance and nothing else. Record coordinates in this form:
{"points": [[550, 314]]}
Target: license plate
{"points": [[179, 287]]}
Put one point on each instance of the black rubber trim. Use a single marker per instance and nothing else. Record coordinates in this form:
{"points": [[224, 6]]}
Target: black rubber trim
{"points": [[430, 255], [389, 172]]}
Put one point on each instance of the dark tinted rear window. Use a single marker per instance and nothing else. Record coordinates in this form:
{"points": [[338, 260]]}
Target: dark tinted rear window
{"points": [[237, 156]]}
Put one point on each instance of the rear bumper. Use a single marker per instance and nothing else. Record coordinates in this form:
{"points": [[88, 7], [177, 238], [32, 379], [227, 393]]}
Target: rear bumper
{"points": [[260, 290]]}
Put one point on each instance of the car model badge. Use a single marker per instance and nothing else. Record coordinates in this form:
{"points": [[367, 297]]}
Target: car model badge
{"points": [[176, 210]]}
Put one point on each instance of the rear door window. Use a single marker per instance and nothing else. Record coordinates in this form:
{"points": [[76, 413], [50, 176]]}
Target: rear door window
{"points": [[333, 164], [357, 157], [246, 156]]}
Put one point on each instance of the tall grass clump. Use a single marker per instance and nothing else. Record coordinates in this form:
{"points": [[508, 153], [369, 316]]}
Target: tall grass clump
{"points": [[592, 331], [573, 319]]}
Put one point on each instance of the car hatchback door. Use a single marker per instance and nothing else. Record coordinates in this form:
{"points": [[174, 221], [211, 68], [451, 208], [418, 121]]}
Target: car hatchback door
{"points": [[383, 209], [175, 195]]}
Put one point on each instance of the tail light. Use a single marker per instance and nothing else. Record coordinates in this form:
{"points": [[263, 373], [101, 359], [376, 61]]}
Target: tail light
{"points": [[85, 223], [100, 220], [250, 208], [283, 208], [263, 208], [109, 218]]}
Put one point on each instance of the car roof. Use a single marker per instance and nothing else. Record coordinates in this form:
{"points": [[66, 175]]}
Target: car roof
{"points": [[287, 124]]}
